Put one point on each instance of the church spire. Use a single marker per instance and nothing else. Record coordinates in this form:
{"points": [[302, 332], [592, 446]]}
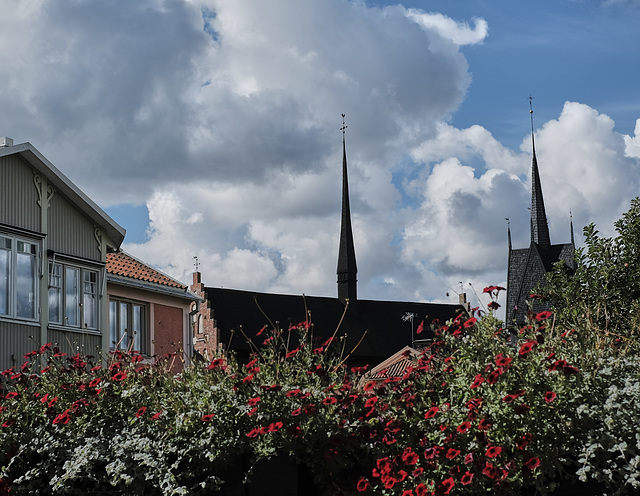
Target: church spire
{"points": [[539, 226], [347, 270]]}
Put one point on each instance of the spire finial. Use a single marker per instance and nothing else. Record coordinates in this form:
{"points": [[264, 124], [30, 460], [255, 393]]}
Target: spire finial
{"points": [[571, 219], [344, 126], [531, 114]]}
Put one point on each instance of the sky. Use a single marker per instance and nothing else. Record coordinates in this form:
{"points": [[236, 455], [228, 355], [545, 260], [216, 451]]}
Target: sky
{"points": [[211, 129]]}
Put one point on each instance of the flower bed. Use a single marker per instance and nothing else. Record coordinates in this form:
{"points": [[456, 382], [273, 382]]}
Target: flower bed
{"points": [[479, 411]]}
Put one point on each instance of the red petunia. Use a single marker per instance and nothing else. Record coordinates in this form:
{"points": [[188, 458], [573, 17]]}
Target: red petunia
{"points": [[275, 427], [432, 412], [503, 361], [156, 416], [527, 347], [466, 479], [421, 489], [490, 471], [331, 400], [470, 322], [452, 453], [371, 402], [544, 315], [532, 463], [493, 451], [296, 412], [549, 396], [493, 305], [292, 352], [464, 427], [447, 485], [410, 457], [120, 376], [95, 382], [141, 411], [253, 401], [253, 432], [11, 395], [477, 381], [363, 484], [485, 425]]}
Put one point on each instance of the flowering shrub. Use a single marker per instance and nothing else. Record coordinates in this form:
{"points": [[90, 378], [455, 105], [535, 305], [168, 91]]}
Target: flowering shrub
{"points": [[478, 411]]}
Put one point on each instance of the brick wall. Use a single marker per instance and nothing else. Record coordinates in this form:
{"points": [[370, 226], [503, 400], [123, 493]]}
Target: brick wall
{"points": [[168, 334], [205, 333]]}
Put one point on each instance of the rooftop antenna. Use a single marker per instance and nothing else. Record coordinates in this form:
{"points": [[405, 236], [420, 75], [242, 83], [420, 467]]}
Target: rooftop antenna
{"points": [[196, 264]]}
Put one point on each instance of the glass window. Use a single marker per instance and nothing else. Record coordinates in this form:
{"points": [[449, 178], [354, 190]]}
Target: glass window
{"points": [[55, 293], [128, 328], [18, 278], [67, 304], [90, 303]]}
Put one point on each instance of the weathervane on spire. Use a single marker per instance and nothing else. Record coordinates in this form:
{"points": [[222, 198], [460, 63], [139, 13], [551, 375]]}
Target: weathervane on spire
{"points": [[344, 126]]}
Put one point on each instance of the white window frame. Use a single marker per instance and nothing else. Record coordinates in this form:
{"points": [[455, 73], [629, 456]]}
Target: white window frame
{"points": [[14, 297], [70, 295]]}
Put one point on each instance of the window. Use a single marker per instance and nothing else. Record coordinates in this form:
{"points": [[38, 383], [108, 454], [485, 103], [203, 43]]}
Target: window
{"points": [[128, 328], [18, 281], [73, 296]]}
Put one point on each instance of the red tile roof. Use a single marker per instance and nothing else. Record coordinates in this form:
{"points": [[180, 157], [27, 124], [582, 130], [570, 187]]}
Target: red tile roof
{"points": [[122, 264]]}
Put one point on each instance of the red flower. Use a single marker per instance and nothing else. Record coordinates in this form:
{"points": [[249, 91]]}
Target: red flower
{"points": [[493, 451], [62, 418], [493, 377], [369, 386], [247, 378], [11, 395], [363, 485], [420, 328], [452, 453], [509, 398], [468, 458], [527, 347], [141, 411], [493, 305], [421, 489], [477, 381], [544, 315], [470, 322], [485, 425], [503, 361], [407, 492], [549, 396], [253, 401], [464, 427], [95, 382], [275, 427], [409, 457], [447, 485], [432, 412], [532, 463], [371, 402], [292, 352], [466, 479], [156, 416], [253, 432], [296, 412], [490, 471], [293, 393], [120, 376], [331, 400]]}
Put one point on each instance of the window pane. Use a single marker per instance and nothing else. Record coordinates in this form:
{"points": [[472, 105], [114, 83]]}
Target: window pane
{"points": [[26, 280], [90, 299], [124, 326], [55, 293], [138, 328], [71, 307], [113, 324], [5, 247]]}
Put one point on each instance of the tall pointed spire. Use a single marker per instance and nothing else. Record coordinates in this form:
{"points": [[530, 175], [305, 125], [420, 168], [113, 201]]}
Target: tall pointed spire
{"points": [[573, 242], [347, 270], [539, 226]]}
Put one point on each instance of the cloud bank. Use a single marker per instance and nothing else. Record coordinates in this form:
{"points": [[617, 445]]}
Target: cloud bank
{"points": [[224, 116]]}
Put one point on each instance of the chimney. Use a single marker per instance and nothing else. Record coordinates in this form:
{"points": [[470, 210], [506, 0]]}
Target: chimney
{"points": [[462, 300], [5, 142]]}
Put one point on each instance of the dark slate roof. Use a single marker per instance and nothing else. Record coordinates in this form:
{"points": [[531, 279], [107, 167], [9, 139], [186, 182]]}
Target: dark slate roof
{"points": [[386, 331], [527, 267]]}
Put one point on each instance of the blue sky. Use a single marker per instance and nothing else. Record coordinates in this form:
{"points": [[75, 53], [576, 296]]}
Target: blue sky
{"points": [[210, 128]]}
